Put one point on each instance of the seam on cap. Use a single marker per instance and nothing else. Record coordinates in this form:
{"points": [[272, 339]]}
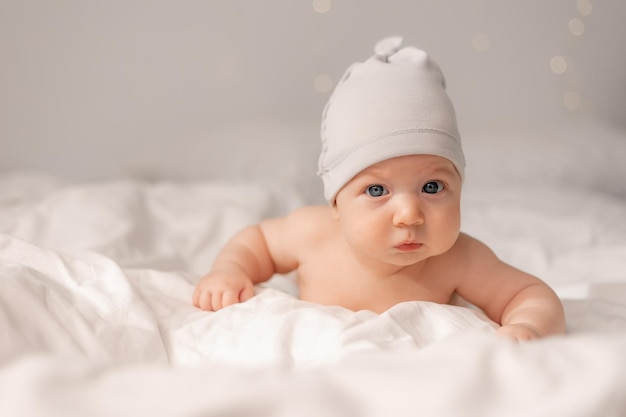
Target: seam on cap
{"points": [[347, 152]]}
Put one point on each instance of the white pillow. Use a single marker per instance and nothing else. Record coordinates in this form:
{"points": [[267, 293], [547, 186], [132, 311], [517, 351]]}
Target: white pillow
{"points": [[574, 154]]}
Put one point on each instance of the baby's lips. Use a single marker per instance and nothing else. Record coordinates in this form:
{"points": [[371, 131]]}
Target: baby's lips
{"points": [[408, 246]]}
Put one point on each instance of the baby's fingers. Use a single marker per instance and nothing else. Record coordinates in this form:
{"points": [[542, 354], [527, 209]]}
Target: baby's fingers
{"points": [[231, 297], [216, 300], [195, 298], [217, 293], [519, 333], [246, 293], [202, 299]]}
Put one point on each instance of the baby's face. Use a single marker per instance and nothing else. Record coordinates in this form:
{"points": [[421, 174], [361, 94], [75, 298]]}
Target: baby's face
{"points": [[402, 210]]}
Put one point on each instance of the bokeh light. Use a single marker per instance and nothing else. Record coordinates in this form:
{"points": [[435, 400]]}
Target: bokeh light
{"points": [[323, 83], [558, 64], [576, 26], [584, 7], [321, 6]]}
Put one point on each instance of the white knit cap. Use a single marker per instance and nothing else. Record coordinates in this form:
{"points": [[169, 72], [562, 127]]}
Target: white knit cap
{"points": [[391, 105]]}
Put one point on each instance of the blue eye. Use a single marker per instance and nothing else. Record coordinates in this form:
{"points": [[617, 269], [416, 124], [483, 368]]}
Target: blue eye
{"points": [[376, 190], [433, 187]]}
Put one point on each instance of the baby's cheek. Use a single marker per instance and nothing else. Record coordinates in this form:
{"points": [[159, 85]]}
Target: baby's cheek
{"points": [[450, 226], [366, 237]]}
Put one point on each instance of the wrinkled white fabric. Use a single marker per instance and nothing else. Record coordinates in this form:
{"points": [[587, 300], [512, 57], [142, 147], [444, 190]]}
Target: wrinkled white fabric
{"points": [[96, 316]]}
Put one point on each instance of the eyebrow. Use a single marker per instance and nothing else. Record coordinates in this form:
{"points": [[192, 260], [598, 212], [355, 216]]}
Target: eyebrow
{"points": [[443, 170], [436, 168]]}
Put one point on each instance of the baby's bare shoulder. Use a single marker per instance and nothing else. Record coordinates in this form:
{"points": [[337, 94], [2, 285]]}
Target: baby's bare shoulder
{"points": [[468, 254], [306, 224], [311, 213], [313, 220], [290, 238], [467, 245]]}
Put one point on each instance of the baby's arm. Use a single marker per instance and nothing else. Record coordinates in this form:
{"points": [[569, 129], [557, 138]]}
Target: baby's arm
{"points": [[524, 305], [533, 312], [243, 262], [253, 256]]}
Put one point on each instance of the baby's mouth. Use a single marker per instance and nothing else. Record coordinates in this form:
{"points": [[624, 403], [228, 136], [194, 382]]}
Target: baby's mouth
{"points": [[408, 246]]}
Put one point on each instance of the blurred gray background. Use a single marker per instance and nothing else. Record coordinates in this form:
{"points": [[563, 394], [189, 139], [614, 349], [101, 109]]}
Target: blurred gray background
{"points": [[184, 89]]}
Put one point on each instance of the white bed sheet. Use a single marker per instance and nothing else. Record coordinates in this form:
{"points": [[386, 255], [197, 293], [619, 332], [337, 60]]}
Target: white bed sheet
{"points": [[96, 319]]}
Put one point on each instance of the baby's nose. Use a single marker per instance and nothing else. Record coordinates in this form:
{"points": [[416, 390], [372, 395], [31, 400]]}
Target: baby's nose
{"points": [[408, 211]]}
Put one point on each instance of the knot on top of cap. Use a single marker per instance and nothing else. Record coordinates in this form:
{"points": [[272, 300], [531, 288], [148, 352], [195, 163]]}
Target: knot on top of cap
{"points": [[387, 47]]}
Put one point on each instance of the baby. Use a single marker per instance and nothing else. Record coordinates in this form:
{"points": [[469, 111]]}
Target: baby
{"points": [[392, 168]]}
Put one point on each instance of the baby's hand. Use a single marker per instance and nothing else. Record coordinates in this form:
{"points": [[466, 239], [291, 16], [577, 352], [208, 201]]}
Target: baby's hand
{"points": [[519, 332], [222, 288]]}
